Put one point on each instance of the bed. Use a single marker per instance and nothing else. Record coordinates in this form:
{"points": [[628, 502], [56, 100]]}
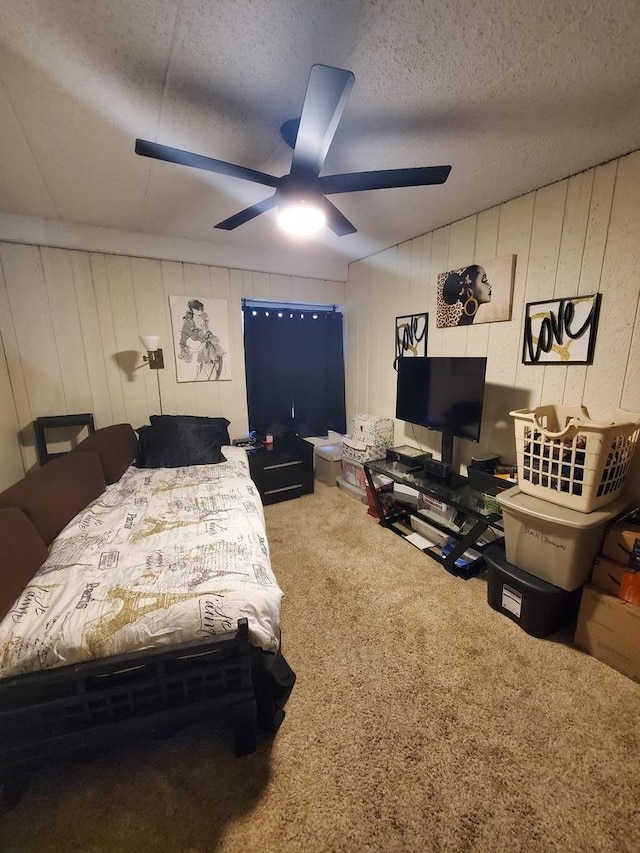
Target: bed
{"points": [[136, 594]]}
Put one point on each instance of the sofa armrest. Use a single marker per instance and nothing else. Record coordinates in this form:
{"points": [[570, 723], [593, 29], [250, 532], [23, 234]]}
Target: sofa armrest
{"points": [[22, 552], [54, 494], [116, 446]]}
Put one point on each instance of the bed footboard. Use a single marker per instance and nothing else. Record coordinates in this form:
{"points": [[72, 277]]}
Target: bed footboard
{"points": [[80, 709]]}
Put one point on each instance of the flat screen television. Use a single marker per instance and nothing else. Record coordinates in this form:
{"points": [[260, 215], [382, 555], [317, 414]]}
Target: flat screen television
{"points": [[442, 393]]}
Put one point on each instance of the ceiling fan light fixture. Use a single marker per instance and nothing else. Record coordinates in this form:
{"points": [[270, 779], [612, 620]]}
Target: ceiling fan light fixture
{"points": [[302, 194], [301, 218]]}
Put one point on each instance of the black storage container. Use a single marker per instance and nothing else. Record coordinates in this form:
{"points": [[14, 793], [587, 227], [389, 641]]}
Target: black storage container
{"points": [[537, 606]]}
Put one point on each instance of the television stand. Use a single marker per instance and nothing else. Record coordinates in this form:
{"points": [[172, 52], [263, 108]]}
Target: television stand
{"points": [[456, 481], [445, 518]]}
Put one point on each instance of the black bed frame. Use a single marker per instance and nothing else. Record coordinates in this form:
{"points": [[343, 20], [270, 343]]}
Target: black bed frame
{"points": [[82, 708]]}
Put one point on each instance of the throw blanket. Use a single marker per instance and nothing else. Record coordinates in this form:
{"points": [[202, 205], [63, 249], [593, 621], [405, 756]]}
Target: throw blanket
{"points": [[163, 556]]}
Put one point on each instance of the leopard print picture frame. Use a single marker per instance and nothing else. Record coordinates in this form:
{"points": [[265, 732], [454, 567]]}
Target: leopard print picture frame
{"points": [[477, 293]]}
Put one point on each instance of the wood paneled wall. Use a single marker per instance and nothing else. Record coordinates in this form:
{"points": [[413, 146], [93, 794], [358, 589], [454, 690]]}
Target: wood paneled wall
{"points": [[70, 320], [70, 323], [580, 235]]}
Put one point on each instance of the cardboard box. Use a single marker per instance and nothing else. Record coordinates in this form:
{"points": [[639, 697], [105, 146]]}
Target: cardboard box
{"points": [[630, 587], [622, 538], [607, 575], [616, 579], [609, 629]]}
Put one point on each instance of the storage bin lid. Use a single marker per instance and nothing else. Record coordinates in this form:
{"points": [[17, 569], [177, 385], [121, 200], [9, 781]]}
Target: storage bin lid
{"points": [[515, 501]]}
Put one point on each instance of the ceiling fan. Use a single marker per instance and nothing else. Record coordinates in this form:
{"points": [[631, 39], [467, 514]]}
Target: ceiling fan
{"points": [[301, 194]]}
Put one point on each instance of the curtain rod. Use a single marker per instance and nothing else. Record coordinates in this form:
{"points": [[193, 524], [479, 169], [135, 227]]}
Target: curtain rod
{"points": [[287, 306]]}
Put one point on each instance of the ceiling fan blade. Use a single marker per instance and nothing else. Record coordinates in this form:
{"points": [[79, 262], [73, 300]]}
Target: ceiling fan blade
{"points": [[336, 220], [354, 182], [327, 94], [289, 131], [247, 214], [198, 161]]}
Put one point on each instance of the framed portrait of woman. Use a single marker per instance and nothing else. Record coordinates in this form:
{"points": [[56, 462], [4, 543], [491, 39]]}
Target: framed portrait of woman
{"points": [[477, 293], [200, 327]]}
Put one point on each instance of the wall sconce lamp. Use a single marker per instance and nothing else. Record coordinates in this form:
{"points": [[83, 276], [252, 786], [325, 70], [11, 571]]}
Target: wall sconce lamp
{"points": [[154, 359], [154, 353]]}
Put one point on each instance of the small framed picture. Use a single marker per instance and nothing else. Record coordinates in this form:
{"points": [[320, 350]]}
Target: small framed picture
{"points": [[561, 331], [200, 338], [411, 336]]}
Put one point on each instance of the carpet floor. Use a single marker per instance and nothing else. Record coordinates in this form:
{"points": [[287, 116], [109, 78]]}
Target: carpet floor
{"points": [[422, 720]]}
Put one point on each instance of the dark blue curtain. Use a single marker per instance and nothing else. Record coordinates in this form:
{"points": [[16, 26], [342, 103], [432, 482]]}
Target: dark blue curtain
{"points": [[294, 362]]}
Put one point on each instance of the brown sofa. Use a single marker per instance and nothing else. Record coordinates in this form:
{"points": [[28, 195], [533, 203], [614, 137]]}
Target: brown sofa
{"points": [[53, 712], [38, 507]]}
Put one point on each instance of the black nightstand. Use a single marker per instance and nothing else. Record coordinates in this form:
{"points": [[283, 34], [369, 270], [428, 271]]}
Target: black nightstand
{"points": [[284, 471]]}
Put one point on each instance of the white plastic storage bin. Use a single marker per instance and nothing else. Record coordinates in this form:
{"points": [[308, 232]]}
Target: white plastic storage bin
{"points": [[353, 472], [566, 458], [351, 490], [369, 438], [552, 542], [328, 463]]}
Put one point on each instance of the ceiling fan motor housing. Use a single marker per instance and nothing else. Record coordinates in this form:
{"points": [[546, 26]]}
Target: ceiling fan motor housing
{"points": [[293, 190]]}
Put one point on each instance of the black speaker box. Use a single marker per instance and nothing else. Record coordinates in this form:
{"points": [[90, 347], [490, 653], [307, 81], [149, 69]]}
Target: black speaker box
{"points": [[436, 468], [407, 455]]}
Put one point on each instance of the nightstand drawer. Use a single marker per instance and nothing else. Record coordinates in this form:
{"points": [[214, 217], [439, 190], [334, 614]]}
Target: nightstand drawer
{"points": [[284, 472], [278, 476], [278, 465], [283, 491]]}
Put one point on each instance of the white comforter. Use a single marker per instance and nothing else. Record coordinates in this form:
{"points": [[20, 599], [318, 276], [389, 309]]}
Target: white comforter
{"points": [[163, 556]]}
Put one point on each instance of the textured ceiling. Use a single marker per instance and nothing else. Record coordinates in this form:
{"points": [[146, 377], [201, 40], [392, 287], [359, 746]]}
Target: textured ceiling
{"points": [[513, 94]]}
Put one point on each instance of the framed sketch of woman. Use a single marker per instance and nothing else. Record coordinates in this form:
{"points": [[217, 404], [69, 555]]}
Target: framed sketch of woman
{"points": [[200, 338], [477, 293]]}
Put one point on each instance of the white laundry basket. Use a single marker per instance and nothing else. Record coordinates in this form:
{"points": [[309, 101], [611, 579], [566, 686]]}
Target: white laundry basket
{"points": [[566, 458]]}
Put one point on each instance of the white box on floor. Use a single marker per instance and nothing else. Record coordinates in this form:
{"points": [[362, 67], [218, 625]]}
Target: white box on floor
{"points": [[328, 463], [553, 542], [369, 438]]}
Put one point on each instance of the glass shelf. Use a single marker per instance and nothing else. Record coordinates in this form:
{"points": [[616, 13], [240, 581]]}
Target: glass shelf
{"points": [[460, 520], [473, 503]]}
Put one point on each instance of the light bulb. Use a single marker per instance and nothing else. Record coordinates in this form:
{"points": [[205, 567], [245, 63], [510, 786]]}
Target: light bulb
{"points": [[301, 218], [150, 342]]}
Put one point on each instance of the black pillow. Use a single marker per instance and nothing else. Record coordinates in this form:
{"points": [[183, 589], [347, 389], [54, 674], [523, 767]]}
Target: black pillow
{"points": [[161, 447], [218, 426]]}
